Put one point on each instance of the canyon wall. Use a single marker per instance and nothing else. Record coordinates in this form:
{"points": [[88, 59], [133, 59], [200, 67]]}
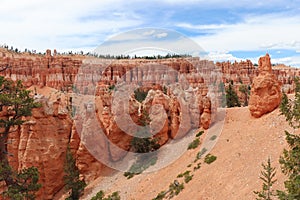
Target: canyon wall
{"points": [[83, 87]]}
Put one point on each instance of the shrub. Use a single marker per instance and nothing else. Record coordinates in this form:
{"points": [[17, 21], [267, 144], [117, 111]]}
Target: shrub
{"points": [[194, 144], [197, 167], [144, 145], [100, 196], [199, 134], [209, 158], [175, 188], [186, 175], [160, 196]]}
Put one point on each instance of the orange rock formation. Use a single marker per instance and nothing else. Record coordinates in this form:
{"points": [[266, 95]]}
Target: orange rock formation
{"points": [[266, 89]]}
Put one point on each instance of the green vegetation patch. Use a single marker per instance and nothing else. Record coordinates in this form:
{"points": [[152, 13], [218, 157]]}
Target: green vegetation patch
{"points": [[209, 159], [194, 144]]}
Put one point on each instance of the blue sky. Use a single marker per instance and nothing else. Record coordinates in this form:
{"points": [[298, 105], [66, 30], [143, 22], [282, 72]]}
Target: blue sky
{"points": [[226, 30]]}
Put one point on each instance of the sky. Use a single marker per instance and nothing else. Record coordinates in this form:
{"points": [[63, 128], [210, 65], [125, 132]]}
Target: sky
{"points": [[226, 30]]}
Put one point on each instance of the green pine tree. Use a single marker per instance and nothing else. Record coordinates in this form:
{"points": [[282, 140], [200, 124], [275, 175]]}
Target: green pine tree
{"points": [[232, 99], [290, 160], [25, 185], [267, 176], [15, 104], [72, 179]]}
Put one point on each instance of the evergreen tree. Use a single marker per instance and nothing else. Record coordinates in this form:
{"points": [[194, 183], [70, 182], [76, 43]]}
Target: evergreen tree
{"points": [[246, 92], [290, 160], [15, 104], [267, 176], [232, 99], [25, 184], [72, 180]]}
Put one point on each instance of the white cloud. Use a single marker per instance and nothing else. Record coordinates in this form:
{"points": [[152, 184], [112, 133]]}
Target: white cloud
{"points": [[150, 32], [255, 33], [293, 61], [221, 56], [62, 24], [161, 35], [204, 27], [154, 33], [175, 44]]}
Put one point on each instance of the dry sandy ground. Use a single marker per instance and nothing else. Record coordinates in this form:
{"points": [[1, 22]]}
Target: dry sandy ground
{"points": [[244, 143]]}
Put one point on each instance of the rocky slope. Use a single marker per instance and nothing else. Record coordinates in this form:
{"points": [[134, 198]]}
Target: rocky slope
{"points": [[240, 150]]}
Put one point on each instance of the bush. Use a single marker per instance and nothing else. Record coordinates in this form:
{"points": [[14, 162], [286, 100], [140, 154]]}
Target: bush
{"points": [[197, 167], [194, 144], [175, 188], [199, 134], [100, 196], [186, 175], [160, 196], [144, 145], [209, 159]]}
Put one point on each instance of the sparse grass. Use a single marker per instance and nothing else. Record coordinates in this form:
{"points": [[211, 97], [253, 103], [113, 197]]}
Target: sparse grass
{"points": [[194, 144], [209, 158], [213, 137]]}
